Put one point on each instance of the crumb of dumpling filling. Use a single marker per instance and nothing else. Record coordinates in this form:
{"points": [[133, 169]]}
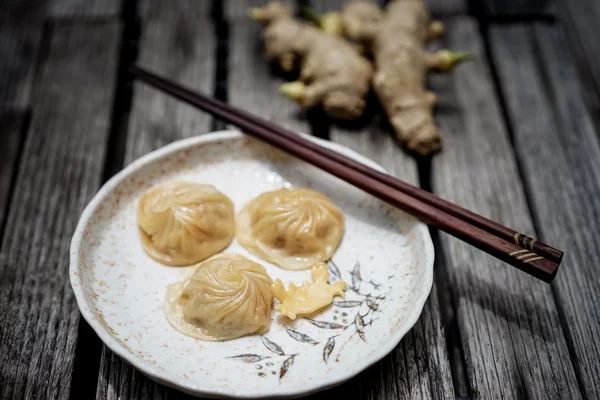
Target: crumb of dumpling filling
{"points": [[310, 296]]}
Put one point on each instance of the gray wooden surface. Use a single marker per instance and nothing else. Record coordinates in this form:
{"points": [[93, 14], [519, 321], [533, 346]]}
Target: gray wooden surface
{"points": [[438, 7], [21, 27], [100, 9], [580, 20], [252, 85], [523, 8], [509, 326], [11, 127], [60, 170], [521, 146], [560, 158]]}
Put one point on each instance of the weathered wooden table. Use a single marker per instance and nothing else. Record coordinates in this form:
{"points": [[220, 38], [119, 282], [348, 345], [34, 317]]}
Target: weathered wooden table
{"points": [[521, 146]]}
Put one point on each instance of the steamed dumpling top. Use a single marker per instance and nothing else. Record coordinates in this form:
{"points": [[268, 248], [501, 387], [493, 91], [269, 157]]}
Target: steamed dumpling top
{"points": [[182, 223], [227, 296], [293, 228]]}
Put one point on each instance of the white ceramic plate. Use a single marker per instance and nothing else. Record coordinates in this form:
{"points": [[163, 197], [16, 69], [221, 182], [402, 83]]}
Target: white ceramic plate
{"points": [[386, 257]]}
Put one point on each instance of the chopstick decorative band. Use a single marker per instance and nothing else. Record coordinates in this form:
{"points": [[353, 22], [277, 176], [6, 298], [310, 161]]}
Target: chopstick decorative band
{"points": [[489, 236], [526, 242]]}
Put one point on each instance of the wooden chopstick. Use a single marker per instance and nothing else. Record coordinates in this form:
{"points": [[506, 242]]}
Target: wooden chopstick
{"points": [[379, 185]]}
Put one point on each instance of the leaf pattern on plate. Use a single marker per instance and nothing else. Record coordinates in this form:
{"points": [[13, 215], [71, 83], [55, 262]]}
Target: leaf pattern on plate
{"points": [[274, 347], [328, 348], [359, 321], [334, 269], [301, 337], [326, 325], [248, 358], [286, 366], [356, 276], [361, 334], [376, 286], [347, 303], [372, 305]]}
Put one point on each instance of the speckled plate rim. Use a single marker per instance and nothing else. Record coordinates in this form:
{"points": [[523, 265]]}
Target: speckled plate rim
{"points": [[223, 391]]}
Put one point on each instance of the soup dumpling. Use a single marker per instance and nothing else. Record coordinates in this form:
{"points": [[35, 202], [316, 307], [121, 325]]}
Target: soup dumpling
{"points": [[293, 228], [183, 223], [226, 297]]}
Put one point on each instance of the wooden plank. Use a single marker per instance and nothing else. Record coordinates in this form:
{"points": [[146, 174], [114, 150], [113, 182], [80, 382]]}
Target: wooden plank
{"points": [[437, 7], [560, 157], [236, 9], [177, 41], [11, 134], [252, 85], [580, 19], [516, 8], [60, 170], [84, 8], [21, 26], [509, 325]]}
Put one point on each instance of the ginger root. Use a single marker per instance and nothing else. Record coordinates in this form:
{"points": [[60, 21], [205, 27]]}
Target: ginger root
{"points": [[332, 73], [396, 38]]}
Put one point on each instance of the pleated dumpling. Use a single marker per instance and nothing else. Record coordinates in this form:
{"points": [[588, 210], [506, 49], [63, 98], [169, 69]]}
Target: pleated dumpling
{"points": [[183, 223], [226, 297], [293, 228]]}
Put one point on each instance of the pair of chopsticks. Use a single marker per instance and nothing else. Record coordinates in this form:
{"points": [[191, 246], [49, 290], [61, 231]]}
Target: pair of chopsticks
{"points": [[517, 249]]}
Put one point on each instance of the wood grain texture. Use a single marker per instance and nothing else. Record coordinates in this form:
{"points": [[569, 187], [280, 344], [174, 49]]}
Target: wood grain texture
{"points": [[11, 134], [84, 8], [252, 85], [177, 41], [509, 325], [21, 27], [438, 7], [580, 20], [239, 8], [60, 170], [519, 7], [560, 157]]}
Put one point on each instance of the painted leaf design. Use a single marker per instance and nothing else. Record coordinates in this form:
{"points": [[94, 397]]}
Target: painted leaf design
{"points": [[286, 366], [361, 333], [301, 337], [356, 276], [359, 321], [328, 348], [334, 269], [274, 347], [372, 305], [325, 325], [347, 303], [248, 358]]}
